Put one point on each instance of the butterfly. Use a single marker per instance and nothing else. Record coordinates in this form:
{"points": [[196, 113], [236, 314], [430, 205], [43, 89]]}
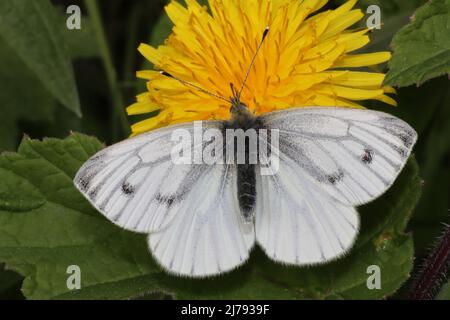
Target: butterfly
{"points": [[203, 219]]}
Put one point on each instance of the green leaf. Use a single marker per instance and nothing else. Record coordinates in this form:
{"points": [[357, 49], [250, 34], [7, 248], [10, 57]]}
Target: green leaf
{"points": [[422, 48], [33, 30], [22, 97], [81, 43], [35, 106], [42, 239]]}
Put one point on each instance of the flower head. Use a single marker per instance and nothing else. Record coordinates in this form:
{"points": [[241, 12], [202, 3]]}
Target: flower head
{"points": [[303, 62]]}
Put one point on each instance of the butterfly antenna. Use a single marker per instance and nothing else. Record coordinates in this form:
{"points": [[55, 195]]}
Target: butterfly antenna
{"points": [[266, 31], [189, 84]]}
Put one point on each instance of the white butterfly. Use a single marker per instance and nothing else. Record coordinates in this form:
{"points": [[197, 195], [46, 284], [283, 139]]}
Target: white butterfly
{"points": [[203, 219], [331, 160]]}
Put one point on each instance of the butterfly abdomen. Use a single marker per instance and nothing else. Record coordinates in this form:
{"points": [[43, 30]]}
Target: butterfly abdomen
{"points": [[246, 172], [246, 183]]}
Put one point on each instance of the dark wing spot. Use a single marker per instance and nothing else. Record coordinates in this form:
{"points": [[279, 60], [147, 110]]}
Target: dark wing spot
{"points": [[401, 151], [84, 183], [367, 157], [406, 136], [128, 189], [167, 200], [335, 177], [93, 193], [406, 139]]}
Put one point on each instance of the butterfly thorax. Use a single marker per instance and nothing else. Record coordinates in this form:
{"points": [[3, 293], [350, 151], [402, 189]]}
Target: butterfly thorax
{"points": [[241, 117]]}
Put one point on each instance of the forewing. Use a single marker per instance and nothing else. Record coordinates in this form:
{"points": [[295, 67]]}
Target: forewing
{"points": [[136, 184], [353, 155]]}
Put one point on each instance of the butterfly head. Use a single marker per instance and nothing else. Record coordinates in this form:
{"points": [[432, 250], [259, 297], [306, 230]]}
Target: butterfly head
{"points": [[238, 109]]}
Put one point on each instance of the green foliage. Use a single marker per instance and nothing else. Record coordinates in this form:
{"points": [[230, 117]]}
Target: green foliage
{"points": [[81, 43], [32, 30], [46, 225], [426, 108], [422, 49], [24, 98], [33, 103]]}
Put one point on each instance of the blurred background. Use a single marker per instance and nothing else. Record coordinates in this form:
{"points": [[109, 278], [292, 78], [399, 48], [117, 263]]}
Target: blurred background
{"points": [[105, 60]]}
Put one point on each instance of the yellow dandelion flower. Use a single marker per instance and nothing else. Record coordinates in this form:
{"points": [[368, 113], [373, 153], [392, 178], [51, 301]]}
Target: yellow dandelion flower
{"points": [[303, 62]]}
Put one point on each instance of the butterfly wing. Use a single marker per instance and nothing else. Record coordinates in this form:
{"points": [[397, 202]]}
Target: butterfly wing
{"points": [[354, 155], [189, 210], [297, 223], [209, 235], [330, 160]]}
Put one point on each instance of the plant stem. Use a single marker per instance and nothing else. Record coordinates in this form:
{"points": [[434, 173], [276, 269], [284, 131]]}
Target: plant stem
{"points": [[131, 45], [434, 271], [116, 95]]}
